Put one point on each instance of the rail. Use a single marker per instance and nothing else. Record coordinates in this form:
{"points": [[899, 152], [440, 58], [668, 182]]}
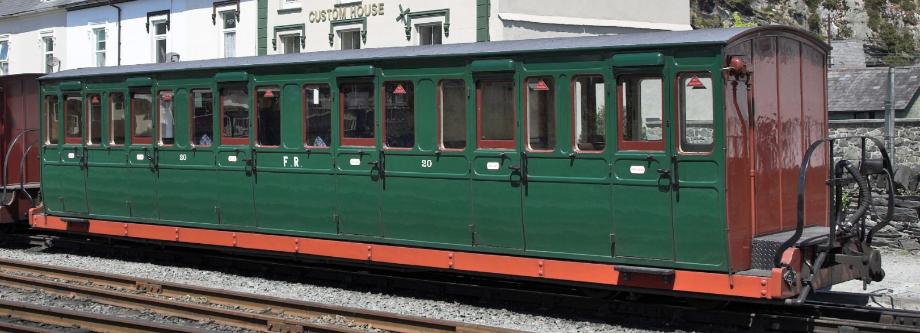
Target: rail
{"points": [[264, 313], [46, 315]]}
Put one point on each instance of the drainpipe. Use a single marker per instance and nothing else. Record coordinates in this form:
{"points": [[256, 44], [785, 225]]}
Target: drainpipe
{"points": [[118, 27]]}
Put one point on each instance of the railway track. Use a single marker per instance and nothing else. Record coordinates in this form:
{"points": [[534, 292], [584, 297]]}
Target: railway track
{"points": [[619, 309], [246, 311]]}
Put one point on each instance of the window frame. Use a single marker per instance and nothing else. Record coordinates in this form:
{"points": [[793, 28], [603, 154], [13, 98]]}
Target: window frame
{"points": [[383, 115], [89, 119], [574, 119], [466, 111], [524, 103], [356, 142], [154, 37], [191, 117], [96, 41], [643, 145], [5, 39], [355, 39], [68, 139], [678, 111], [430, 25], [296, 35], [48, 39], [224, 31], [304, 115], [48, 117], [158, 130], [139, 140], [495, 144], [111, 141], [232, 141], [255, 114]]}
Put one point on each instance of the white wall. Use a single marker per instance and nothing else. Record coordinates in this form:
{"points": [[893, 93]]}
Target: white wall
{"points": [[191, 32], [25, 35]]}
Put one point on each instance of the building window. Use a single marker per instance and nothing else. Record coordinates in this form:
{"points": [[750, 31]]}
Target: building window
{"points": [[94, 132], [351, 39], [4, 56], [159, 41], [48, 46], [99, 35], [588, 113], [288, 4], [291, 43], [399, 114], [234, 107], [268, 116], [117, 120], [141, 117], [229, 33], [495, 108], [541, 114], [51, 120], [357, 105], [167, 120], [318, 115], [429, 34], [202, 117], [453, 114]]}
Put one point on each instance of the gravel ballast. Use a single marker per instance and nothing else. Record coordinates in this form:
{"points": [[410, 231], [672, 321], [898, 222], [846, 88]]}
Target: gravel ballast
{"points": [[322, 294]]}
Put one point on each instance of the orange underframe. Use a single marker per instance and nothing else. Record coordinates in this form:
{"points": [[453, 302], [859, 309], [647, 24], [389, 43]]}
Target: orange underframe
{"points": [[560, 270]]}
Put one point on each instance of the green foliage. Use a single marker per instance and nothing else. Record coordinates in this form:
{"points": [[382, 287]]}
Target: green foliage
{"points": [[898, 43], [737, 21]]}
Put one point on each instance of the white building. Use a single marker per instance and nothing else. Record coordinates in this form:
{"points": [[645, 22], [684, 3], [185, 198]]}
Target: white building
{"points": [[315, 25], [31, 33]]}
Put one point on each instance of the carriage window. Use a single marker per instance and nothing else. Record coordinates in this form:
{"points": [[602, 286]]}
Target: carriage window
{"points": [[696, 112], [268, 116], [73, 119], [167, 120], [202, 122], [541, 114], [117, 125], [141, 117], [94, 135], [51, 119], [317, 115], [357, 102], [399, 114], [453, 114], [589, 113], [234, 105], [641, 110], [495, 107]]}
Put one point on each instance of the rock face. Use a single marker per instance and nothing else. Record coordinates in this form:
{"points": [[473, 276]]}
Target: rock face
{"points": [[906, 144], [889, 27], [904, 229]]}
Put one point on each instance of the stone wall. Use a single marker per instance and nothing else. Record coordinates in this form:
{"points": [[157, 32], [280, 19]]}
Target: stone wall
{"points": [[906, 141]]}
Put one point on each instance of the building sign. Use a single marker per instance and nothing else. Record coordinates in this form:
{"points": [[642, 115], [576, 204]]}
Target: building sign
{"points": [[347, 12]]}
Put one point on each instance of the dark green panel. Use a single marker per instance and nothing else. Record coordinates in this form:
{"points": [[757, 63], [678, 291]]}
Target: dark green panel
{"points": [[71, 176], [496, 198], [182, 176], [262, 26], [105, 194], [295, 191], [144, 81], [483, 9], [361, 70], [568, 218], [71, 85], [638, 59], [643, 231], [358, 194], [231, 76], [233, 188], [492, 65], [140, 183]]}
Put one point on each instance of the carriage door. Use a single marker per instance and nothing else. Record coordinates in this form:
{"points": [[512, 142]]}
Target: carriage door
{"points": [[643, 174], [73, 160], [360, 162]]}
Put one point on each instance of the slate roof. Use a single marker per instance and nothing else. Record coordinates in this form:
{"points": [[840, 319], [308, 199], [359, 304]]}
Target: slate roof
{"points": [[865, 89], [20, 7], [624, 41]]}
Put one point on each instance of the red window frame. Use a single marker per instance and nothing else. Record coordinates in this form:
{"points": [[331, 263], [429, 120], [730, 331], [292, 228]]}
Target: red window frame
{"points": [[112, 119], [493, 144], [623, 144], [572, 100], [224, 139], [51, 100], [89, 119], [67, 138], [525, 104], [383, 113], [139, 140], [440, 109], [256, 118], [158, 130], [355, 142], [305, 105], [191, 116], [678, 120]]}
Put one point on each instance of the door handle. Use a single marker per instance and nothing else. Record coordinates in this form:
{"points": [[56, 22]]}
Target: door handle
{"points": [[514, 168], [675, 184], [664, 173]]}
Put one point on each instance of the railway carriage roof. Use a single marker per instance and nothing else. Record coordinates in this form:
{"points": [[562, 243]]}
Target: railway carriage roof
{"points": [[486, 49]]}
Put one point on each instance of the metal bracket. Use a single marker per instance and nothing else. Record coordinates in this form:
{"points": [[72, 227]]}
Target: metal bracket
{"points": [[157, 13], [221, 4]]}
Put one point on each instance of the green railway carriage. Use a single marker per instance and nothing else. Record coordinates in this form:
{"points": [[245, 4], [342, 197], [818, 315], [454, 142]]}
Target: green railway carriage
{"points": [[609, 159]]}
